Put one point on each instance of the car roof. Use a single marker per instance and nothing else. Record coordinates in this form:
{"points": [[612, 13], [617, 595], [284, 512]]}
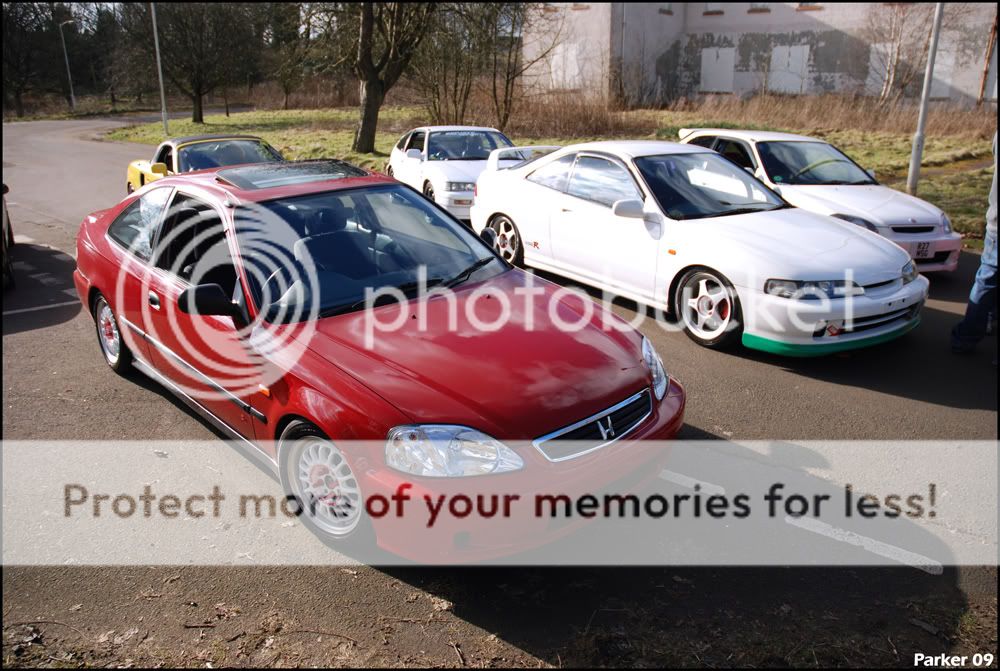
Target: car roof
{"points": [[443, 128], [238, 182], [635, 148], [748, 135], [177, 141]]}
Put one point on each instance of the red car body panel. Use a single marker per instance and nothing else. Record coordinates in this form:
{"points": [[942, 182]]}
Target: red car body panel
{"points": [[516, 383]]}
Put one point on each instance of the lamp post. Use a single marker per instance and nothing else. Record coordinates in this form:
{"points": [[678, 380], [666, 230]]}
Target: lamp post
{"points": [[159, 71], [69, 75], [918, 139]]}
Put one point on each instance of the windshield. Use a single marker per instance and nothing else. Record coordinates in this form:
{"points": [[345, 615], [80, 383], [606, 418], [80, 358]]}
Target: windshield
{"points": [[696, 186], [464, 145], [204, 155], [329, 249], [809, 163]]}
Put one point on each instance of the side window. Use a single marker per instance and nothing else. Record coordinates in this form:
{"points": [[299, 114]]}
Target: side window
{"points": [[134, 228], [555, 175], [705, 141], [166, 155], [416, 141], [736, 152], [602, 181], [192, 244], [401, 145]]}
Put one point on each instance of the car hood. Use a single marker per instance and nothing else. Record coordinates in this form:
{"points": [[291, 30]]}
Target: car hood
{"points": [[456, 171], [516, 382], [878, 204], [796, 244]]}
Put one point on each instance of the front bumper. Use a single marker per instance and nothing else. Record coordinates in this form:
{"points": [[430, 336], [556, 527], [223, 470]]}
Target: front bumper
{"points": [[932, 252], [457, 203], [623, 466], [814, 328]]}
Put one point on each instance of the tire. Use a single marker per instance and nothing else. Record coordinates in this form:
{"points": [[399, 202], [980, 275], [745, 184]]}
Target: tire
{"points": [[304, 452], [429, 191], [508, 243], [118, 358], [708, 307]]}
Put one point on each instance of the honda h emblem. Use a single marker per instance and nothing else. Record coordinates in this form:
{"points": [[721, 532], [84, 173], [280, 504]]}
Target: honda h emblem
{"points": [[607, 431]]}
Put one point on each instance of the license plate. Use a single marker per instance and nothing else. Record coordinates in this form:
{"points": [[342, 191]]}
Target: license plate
{"points": [[923, 250]]}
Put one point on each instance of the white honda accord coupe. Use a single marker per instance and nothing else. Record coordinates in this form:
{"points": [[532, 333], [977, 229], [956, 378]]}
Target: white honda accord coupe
{"points": [[683, 229], [444, 162], [814, 175]]}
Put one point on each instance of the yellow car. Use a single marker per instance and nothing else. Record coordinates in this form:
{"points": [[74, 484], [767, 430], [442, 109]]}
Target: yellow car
{"points": [[198, 152]]}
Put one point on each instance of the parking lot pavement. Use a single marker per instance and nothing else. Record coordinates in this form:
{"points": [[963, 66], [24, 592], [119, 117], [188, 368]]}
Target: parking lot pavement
{"points": [[56, 385]]}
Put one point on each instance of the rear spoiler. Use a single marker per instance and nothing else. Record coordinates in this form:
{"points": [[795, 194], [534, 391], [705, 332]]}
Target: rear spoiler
{"points": [[518, 154]]}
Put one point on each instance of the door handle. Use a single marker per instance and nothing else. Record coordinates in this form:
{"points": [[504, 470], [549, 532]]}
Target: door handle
{"points": [[566, 209], [154, 300]]}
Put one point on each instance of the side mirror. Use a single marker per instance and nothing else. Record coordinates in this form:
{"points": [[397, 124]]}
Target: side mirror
{"points": [[414, 153], [871, 173], [489, 236], [159, 169], [206, 299], [630, 208]]}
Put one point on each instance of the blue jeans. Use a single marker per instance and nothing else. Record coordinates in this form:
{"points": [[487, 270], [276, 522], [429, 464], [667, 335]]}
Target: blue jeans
{"points": [[982, 299]]}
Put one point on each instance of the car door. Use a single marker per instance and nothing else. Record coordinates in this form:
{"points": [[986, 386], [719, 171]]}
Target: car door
{"points": [[542, 189], [396, 155], [132, 234], [202, 355], [588, 239], [411, 169]]}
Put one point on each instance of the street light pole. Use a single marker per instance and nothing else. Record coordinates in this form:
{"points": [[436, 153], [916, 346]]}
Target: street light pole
{"points": [[918, 139], [159, 71], [69, 76]]}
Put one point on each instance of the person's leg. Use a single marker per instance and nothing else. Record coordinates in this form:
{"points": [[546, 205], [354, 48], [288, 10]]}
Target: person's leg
{"points": [[982, 300]]}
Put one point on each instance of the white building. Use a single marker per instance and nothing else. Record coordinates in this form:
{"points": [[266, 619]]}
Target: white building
{"points": [[649, 53]]}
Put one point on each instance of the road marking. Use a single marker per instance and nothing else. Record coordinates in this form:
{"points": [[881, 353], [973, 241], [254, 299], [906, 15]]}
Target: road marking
{"points": [[40, 307], [892, 552], [689, 482]]}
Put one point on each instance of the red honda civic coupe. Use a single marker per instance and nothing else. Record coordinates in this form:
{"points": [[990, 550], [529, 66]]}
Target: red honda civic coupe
{"points": [[354, 337]]}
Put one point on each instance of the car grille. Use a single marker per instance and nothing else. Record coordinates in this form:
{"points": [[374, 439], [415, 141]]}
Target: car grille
{"points": [[939, 257], [913, 230], [595, 431], [860, 324]]}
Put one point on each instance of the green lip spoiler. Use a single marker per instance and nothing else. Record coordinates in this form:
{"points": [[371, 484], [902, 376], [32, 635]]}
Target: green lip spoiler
{"points": [[793, 349]]}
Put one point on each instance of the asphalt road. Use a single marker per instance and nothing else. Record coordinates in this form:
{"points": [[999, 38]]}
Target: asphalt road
{"points": [[56, 385]]}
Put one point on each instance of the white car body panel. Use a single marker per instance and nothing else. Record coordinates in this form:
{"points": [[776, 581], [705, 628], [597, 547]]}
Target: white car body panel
{"points": [[914, 224], [419, 172], [640, 258]]}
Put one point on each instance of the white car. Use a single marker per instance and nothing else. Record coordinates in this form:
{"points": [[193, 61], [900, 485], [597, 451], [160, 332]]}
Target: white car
{"points": [[444, 162], [678, 226], [816, 176]]}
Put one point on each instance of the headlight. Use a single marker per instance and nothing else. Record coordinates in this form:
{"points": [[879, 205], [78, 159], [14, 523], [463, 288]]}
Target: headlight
{"points": [[660, 378], [812, 290], [909, 272], [444, 450], [858, 221], [459, 186], [945, 223]]}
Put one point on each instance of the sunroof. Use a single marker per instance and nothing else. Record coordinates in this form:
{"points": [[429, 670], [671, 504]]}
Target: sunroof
{"points": [[269, 175]]}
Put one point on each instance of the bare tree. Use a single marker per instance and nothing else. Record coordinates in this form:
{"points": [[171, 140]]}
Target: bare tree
{"points": [[23, 24], [389, 34], [900, 34], [451, 58], [522, 36]]}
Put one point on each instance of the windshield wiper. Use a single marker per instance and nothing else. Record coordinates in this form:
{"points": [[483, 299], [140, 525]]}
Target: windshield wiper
{"points": [[406, 288], [747, 210], [465, 274]]}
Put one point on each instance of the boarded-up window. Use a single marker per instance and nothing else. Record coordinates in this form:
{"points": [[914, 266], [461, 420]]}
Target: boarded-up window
{"points": [[566, 66], [789, 69], [717, 65], [944, 67]]}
